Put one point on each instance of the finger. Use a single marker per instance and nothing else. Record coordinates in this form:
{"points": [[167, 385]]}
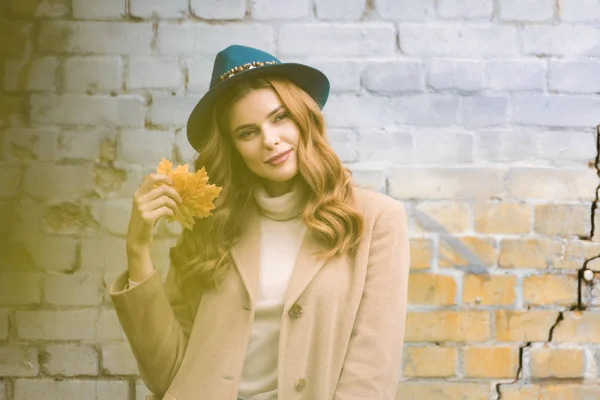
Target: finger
{"points": [[162, 190], [160, 202], [151, 180], [151, 217]]}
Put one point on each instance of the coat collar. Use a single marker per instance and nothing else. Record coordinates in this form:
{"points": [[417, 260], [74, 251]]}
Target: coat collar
{"points": [[246, 256]]}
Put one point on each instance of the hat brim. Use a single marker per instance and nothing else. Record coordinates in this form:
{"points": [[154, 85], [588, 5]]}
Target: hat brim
{"points": [[309, 79]]}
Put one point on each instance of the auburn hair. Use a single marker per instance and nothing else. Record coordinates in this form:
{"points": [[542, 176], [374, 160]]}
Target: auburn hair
{"points": [[201, 255]]}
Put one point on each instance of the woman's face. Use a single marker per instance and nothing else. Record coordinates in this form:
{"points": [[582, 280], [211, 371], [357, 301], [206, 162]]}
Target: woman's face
{"points": [[261, 129]]}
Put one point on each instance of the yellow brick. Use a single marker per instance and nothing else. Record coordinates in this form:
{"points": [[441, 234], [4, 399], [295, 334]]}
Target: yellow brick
{"points": [[491, 362], [521, 392], [578, 327], [429, 361], [489, 289], [571, 392], [502, 218], [524, 326], [527, 253], [550, 290], [557, 363], [442, 216], [573, 253], [443, 391], [430, 289], [466, 251], [564, 220], [449, 326], [421, 253]]}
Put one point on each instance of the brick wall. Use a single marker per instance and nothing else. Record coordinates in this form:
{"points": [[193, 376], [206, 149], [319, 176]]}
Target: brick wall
{"points": [[479, 115]]}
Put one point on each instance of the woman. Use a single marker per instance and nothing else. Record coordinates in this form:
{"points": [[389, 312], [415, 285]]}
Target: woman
{"points": [[296, 286]]}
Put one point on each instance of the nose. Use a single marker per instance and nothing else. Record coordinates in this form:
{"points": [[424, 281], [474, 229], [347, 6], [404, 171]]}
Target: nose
{"points": [[270, 137]]}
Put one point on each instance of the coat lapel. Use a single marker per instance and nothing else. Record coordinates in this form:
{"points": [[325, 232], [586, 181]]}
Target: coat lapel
{"points": [[308, 263], [246, 255]]}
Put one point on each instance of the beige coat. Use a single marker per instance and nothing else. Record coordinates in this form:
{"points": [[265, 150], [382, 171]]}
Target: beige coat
{"points": [[342, 327]]}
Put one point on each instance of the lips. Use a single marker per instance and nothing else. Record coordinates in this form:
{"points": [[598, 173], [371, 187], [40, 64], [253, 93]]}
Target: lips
{"points": [[276, 156]]}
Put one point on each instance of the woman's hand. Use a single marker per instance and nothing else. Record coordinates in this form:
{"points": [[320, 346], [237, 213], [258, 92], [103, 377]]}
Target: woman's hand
{"points": [[150, 203]]}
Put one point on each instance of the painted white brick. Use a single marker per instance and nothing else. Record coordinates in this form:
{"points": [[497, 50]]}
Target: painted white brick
{"points": [[18, 361], [571, 110], [83, 143], [453, 74], [73, 290], [118, 359], [154, 73], [506, 145], [93, 74], [344, 143], [199, 71], [331, 10], [98, 9], [394, 77], [96, 37], [34, 75], [10, 177], [574, 76], [83, 110], [482, 111], [465, 9], [145, 147], [565, 146], [436, 183], [20, 288], [60, 182], [369, 176], [172, 110], [199, 38], [405, 10], [103, 254], [509, 75], [561, 40], [337, 40], [3, 394], [443, 147], [71, 360], [114, 216], [3, 329], [346, 111], [159, 8], [343, 75], [141, 390], [51, 253], [39, 389], [394, 147], [37, 9], [183, 147], [223, 10], [265, 10], [558, 184], [108, 325], [526, 10], [457, 40], [579, 10], [56, 325]]}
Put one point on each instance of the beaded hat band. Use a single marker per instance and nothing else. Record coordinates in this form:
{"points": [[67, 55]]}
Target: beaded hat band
{"points": [[244, 67]]}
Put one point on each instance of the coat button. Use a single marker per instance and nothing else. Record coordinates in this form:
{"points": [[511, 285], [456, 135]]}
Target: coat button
{"points": [[300, 385], [295, 311]]}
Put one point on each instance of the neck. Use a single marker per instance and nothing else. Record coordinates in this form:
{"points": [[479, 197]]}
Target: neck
{"points": [[276, 189], [285, 206]]}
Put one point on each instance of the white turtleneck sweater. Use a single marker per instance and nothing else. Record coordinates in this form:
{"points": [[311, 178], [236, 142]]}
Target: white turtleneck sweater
{"points": [[282, 230]]}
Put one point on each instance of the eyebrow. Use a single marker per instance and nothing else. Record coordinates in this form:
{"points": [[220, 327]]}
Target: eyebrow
{"points": [[275, 111]]}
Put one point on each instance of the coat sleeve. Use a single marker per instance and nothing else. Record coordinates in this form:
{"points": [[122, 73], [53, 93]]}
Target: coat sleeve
{"points": [[157, 323], [371, 368]]}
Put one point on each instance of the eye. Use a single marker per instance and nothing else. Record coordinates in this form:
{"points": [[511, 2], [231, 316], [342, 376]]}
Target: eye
{"points": [[246, 133], [281, 116]]}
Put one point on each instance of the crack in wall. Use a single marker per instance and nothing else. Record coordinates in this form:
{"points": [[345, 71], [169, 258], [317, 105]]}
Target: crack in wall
{"points": [[581, 280]]}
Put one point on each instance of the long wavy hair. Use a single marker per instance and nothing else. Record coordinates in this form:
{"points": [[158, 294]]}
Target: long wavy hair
{"points": [[201, 255]]}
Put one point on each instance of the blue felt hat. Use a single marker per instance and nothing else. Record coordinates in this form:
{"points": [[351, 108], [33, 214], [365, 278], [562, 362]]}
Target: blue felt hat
{"points": [[240, 62]]}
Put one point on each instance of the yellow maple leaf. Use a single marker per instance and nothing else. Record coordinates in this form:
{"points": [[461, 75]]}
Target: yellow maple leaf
{"points": [[196, 193]]}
